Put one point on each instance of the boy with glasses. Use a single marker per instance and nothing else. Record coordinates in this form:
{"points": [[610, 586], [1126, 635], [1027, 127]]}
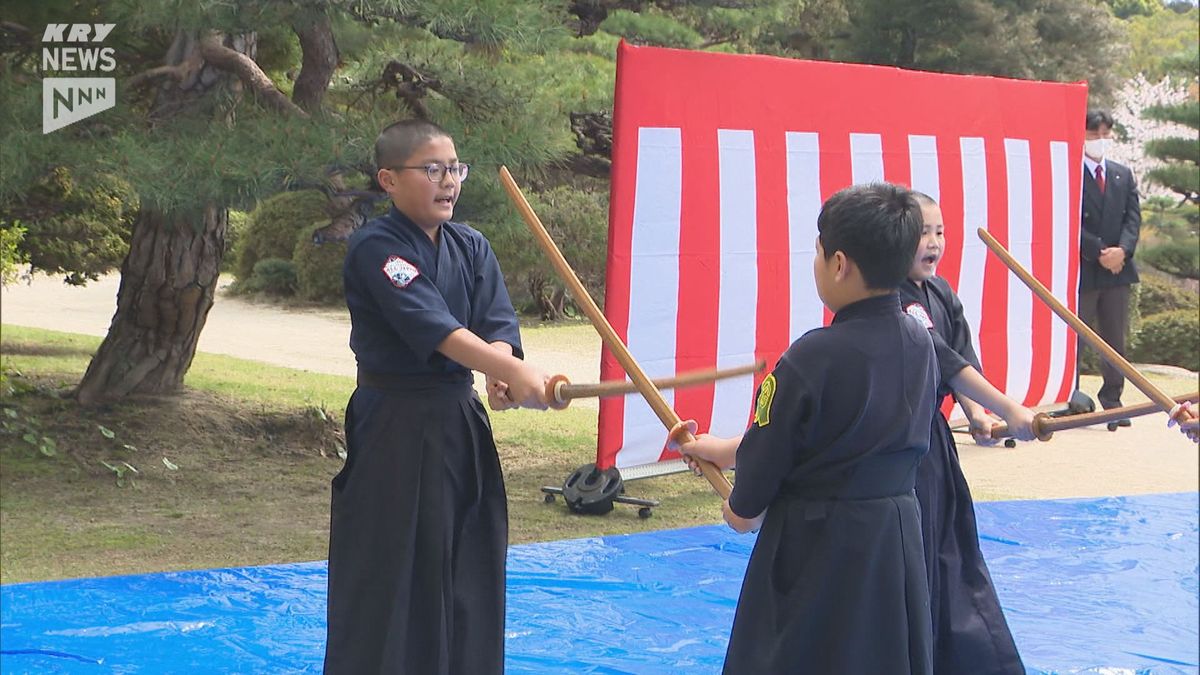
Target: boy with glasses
{"points": [[419, 520]]}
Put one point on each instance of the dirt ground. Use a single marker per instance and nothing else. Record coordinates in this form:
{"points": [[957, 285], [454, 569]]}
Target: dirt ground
{"points": [[1145, 458]]}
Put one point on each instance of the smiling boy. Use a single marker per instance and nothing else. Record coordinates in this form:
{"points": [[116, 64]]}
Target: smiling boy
{"points": [[969, 630]]}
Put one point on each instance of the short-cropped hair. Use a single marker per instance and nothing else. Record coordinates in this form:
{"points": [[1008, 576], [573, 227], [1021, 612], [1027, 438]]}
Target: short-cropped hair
{"points": [[878, 226], [399, 140]]}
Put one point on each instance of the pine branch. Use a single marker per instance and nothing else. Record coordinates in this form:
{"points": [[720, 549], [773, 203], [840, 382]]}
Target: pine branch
{"points": [[1187, 113], [248, 72], [320, 59], [1174, 149], [177, 72], [1178, 178], [410, 86]]}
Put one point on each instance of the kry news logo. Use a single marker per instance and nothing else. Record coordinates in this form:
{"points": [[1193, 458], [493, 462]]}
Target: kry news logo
{"points": [[66, 100]]}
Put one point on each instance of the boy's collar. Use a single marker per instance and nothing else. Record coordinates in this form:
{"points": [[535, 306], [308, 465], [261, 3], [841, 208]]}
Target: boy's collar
{"points": [[870, 305], [399, 216]]}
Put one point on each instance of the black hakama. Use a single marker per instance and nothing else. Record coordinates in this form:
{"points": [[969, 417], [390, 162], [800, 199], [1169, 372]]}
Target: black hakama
{"points": [[836, 582], [970, 632], [419, 523], [418, 536]]}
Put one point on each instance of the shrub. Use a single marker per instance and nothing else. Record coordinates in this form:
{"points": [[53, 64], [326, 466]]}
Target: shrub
{"points": [[1165, 220], [12, 259], [1154, 295], [274, 276], [272, 228], [76, 225], [319, 269], [1179, 258], [1157, 295], [577, 220], [1170, 338], [233, 234]]}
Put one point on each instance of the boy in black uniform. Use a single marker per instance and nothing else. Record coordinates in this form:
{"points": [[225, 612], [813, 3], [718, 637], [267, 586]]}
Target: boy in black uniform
{"points": [[970, 633], [836, 582], [419, 521]]}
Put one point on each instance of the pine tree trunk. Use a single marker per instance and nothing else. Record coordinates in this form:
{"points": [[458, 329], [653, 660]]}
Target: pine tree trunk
{"points": [[320, 60], [167, 285], [169, 278]]}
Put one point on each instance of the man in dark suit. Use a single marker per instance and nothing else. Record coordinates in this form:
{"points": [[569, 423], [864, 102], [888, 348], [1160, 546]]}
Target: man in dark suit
{"points": [[1112, 218]]}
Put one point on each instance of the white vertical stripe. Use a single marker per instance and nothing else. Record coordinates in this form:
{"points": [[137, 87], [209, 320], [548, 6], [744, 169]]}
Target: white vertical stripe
{"points": [[926, 177], [975, 214], [1020, 245], [804, 205], [866, 158], [1060, 181], [738, 300], [923, 160], [653, 283]]}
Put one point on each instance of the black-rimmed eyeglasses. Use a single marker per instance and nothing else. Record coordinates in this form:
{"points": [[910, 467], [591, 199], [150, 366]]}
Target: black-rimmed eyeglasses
{"points": [[436, 171]]}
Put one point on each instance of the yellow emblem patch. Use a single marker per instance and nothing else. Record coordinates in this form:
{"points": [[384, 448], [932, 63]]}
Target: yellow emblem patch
{"points": [[766, 394]]}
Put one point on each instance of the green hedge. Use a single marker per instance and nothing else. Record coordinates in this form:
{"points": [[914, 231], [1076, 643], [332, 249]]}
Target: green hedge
{"points": [[1179, 258], [319, 269], [272, 228], [274, 276], [12, 258], [1170, 338], [238, 221], [79, 226], [1157, 295]]}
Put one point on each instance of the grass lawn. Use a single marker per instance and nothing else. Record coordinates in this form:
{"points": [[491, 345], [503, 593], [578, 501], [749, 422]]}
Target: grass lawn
{"points": [[235, 470], [253, 448]]}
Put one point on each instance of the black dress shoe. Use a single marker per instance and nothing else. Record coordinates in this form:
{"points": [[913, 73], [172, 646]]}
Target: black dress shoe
{"points": [[1124, 422]]}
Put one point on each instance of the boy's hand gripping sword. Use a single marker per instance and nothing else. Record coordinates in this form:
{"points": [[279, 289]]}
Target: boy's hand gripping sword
{"points": [[1045, 426], [1161, 399], [655, 398], [560, 391]]}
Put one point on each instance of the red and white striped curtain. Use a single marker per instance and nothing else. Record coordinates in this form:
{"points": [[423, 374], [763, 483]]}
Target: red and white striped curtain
{"points": [[720, 166]]}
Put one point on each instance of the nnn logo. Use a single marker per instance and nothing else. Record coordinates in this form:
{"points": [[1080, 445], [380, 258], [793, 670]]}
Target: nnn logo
{"points": [[66, 100]]}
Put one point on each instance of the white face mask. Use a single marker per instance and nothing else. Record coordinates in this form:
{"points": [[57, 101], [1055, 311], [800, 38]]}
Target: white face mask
{"points": [[1097, 148]]}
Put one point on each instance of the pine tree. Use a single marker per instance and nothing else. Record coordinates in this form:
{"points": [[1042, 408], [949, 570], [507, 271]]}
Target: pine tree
{"points": [[222, 104], [1180, 155]]}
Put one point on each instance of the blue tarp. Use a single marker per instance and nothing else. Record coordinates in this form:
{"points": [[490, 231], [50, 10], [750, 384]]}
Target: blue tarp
{"points": [[1091, 585]]}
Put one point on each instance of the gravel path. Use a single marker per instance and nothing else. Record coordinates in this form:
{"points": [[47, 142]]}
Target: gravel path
{"points": [[1089, 462]]}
